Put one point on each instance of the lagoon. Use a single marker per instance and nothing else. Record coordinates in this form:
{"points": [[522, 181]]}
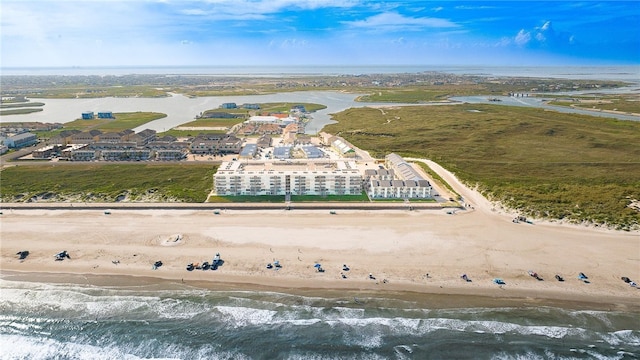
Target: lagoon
{"points": [[181, 109]]}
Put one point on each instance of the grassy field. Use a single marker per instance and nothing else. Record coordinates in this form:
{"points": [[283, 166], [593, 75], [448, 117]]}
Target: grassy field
{"points": [[213, 122], [20, 104], [285, 107], [91, 91], [122, 121], [282, 107], [19, 111], [543, 163], [412, 95], [108, 182], [189, 133]]}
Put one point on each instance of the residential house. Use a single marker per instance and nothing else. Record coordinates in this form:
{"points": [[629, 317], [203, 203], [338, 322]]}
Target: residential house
{"points": [[216, 144], [112, 137], [143, 137], [264, 141], [64, 137], [271, 129], [85, 137]]}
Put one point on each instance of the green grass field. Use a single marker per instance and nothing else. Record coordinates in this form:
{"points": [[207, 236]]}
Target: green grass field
{"points": [[19, 111], [189, 133], [122, 121], [22, 104], [283, 107], [19, 106], [543, 163], [107, 182], [213, 122], [409, 96], [91, 91]]}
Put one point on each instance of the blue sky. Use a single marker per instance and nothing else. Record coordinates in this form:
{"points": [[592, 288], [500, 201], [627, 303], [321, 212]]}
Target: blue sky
{"points": [[317, 32]]}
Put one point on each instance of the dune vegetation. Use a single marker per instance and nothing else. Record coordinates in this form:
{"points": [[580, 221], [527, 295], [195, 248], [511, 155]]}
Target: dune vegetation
{"points": [[547, 164], [107, 182]]}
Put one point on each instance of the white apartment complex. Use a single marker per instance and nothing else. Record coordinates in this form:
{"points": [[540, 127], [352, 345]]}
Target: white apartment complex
{"points": [[401, 181], [282, 177]]}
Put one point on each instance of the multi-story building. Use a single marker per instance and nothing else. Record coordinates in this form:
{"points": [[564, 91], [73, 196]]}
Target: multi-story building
{"points": [[216, 144], [46, 152], [400, 181], [283, 178], [134, 154], [86, 137], [115, 137], [143, 137], [20, 140]]}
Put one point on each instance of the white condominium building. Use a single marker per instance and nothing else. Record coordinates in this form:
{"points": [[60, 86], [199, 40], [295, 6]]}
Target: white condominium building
{"points": [[401, 181], [282, 177]]}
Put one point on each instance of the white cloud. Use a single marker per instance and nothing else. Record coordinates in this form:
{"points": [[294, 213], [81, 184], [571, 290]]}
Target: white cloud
{"points": [[196, 12], [292, 44], [480, 7], [252, 9], [543, 36], [522, 38], [395, 21]]}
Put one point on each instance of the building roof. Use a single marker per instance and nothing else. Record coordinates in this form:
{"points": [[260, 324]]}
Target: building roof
{"points": [[24, 135], [312, 152], [342, 146], [404, 170], [248, 150], [282, 152], [147, 133]]}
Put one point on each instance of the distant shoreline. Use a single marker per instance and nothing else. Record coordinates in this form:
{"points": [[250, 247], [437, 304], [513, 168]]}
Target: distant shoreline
{"points": [[603, 72]]}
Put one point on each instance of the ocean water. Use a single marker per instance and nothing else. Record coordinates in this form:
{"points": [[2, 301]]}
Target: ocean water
{"points": [[629, 73], [70, 321]]}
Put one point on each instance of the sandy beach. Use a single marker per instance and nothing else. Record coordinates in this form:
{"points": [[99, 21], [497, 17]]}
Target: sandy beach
{"points": [[398, 247]]}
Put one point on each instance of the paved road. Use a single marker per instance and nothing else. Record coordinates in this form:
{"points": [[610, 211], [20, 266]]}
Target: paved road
{"points": [[226, 206]]}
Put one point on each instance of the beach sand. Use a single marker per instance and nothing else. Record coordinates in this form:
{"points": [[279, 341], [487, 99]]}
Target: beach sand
{"points": [[398, 246]]}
